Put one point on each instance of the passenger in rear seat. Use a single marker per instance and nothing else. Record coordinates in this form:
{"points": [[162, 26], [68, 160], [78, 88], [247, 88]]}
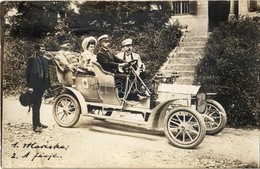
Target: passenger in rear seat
{"points": [[88, 56], [66, 59]]}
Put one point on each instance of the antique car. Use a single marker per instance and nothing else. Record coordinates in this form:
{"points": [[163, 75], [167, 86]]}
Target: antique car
{"points": [[178, 114]]}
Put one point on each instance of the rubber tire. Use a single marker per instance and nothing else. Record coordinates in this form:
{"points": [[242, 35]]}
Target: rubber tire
{"points": [[200, 120], [77, 111], [223, 118]]}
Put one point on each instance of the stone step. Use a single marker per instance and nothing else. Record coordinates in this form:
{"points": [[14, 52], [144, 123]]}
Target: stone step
{"points": [[181, 67], [187, 54], [188, 81], [195, 44], [180, 72], [195, 39], [187, 76], [197, 34], [183, 61], [190, 49]]}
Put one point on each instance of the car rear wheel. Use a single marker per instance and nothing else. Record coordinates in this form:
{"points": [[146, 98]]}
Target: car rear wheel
{"points": [[66, 110], [184, 127], [215, 117]]}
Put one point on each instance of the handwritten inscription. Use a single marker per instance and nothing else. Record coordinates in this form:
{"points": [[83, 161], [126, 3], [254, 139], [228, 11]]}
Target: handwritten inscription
{"points": [[40, 154]]}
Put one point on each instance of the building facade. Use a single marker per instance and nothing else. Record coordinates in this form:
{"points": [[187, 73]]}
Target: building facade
{"points": [[204, 15]]}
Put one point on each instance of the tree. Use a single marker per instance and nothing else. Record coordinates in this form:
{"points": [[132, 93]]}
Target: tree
{"points": [[34, 18], [98, 17]]}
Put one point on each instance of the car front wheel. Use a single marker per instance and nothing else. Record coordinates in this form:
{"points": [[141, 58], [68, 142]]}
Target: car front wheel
{"points": [[184, 127]]}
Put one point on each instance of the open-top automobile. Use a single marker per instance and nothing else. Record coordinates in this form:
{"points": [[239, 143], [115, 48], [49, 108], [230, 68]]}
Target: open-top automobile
{"points": [[180, 111]]}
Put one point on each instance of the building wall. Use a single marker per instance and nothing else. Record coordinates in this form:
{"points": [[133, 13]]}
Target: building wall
{"points": [[200, 21], [243, 8], [197, 22]]}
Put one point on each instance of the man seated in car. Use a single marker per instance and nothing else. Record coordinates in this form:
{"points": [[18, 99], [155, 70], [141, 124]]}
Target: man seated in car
{"points": [[111, 63], [128, 55], [67, 62]]}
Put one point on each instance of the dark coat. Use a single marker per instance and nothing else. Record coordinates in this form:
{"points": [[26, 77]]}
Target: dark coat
{"points": [[37, 72], [108, 61]]}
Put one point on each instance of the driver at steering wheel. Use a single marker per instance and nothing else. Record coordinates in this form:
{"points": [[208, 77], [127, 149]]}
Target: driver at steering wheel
{"points": [[128, 55]]}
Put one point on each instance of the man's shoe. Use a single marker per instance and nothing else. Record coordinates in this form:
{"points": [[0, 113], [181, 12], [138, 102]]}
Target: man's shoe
{"points": [[108, 113], [37, 129], [43, 126], [144, 94], [133, 97]]}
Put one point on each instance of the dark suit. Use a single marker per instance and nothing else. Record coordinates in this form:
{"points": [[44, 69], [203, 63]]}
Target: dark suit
{"points": [[37, 76], [110, 63]]}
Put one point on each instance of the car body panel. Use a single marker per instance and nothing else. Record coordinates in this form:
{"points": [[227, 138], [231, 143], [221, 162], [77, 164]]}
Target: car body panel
{"points": [[180, 89]]}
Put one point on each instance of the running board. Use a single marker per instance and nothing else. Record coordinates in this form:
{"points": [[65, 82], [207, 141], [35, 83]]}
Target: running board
{"points": [[121, 120]]}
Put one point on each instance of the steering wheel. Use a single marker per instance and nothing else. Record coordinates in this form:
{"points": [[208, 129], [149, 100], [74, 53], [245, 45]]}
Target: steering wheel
{"points": [[132, 63]]}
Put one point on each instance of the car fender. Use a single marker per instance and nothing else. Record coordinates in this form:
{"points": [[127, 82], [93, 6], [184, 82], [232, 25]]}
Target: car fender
{"points": [[157, 115], [217, 103], [80, 99]]}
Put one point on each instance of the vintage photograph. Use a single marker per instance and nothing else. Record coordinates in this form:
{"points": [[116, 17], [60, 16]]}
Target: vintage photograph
{"points": [[130, 84]]}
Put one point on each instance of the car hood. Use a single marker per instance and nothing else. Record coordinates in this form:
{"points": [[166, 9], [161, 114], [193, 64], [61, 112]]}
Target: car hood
{"points": [[175, 88]]}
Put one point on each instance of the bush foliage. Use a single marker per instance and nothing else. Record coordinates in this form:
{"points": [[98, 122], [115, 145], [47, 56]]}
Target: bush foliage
{"points": [[16, 51], [231, 68]]}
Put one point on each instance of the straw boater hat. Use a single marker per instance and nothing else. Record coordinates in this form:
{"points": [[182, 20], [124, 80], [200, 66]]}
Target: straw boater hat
{"points": [[86, 41], [127, 42], [102, 37]]}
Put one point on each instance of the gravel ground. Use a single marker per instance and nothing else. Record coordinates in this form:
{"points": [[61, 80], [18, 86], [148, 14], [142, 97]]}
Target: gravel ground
{"points": [[100, 144]]}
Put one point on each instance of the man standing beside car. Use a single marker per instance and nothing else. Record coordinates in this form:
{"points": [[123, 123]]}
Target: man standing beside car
{"points": [[37, 77]]}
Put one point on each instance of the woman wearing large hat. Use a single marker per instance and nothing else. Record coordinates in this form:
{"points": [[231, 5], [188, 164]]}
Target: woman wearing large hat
{"points": [[88, 56]]}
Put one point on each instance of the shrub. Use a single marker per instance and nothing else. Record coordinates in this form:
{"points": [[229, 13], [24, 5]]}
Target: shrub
{"points": [[16, 51], [231, 68]]}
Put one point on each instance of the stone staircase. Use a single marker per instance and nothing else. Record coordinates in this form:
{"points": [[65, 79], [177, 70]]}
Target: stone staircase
{"points": [[185, 57]]}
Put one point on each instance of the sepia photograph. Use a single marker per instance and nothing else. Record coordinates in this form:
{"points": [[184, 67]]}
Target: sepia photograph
{"points": [[130, 84]]}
